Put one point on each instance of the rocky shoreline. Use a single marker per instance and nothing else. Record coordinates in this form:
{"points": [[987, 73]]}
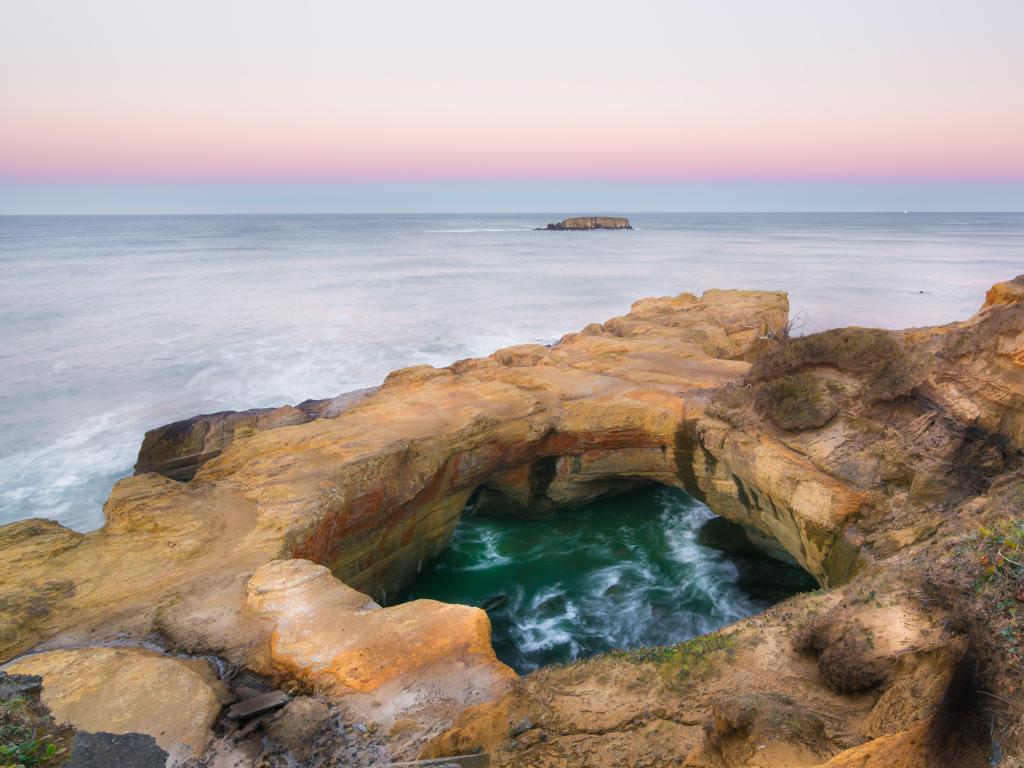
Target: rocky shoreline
{"points": [[887, 464]]}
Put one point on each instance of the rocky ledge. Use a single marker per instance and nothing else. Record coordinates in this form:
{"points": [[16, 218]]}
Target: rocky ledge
{"points": [[888, 464], [579, 223]]}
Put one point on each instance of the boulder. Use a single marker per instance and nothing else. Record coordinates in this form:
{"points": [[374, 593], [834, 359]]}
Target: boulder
{"points": [[106, 690], [330, 638]]}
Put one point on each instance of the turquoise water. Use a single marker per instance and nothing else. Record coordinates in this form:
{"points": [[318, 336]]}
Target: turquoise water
{"points": [[624, 572], [116, 324]]}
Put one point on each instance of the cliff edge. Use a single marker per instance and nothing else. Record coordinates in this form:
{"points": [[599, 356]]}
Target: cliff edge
{"points": [[887, 463]]}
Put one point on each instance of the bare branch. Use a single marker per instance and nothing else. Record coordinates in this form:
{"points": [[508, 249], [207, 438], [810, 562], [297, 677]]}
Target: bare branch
{"points": [[774, 337]]}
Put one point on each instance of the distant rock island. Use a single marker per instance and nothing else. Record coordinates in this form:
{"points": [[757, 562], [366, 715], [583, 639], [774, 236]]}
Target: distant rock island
{"points": [[591, 222]]}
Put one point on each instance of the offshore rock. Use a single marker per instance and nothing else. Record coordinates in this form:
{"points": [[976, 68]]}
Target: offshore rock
{"points": [[579, 223]]}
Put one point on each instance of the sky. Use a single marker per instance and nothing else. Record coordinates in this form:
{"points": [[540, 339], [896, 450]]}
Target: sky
{"points": [[319, 105]]}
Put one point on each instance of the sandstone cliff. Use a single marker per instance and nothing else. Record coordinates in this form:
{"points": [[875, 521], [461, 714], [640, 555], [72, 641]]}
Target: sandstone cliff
{"points": [[880, 461]]}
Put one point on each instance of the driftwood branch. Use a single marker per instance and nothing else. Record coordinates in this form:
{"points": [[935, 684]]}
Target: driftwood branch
{"points": [[777, 336]]}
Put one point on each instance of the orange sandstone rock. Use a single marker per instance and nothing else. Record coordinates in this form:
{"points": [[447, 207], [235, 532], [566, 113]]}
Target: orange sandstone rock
{"points": [[369, 491], [130, 690], [340, 643]]}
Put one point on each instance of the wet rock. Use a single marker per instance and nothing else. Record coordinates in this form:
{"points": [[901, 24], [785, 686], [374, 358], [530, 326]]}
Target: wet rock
{"points": [[12, 686], [295, 726], [494, 603], [116, 750]]}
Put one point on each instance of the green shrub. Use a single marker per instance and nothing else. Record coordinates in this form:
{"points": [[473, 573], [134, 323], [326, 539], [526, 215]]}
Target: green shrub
{"points": [[28, 735], [873, 354], [795, 402], [998, 550]]}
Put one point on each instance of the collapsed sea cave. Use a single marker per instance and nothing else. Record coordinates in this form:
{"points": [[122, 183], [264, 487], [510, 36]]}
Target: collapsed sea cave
{"points": [[651, 566], [272, 555]]}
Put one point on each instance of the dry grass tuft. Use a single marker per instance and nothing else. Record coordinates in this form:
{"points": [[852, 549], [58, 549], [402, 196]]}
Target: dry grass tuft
{"points": [[845, 651], [873, 354], [795, 402]]}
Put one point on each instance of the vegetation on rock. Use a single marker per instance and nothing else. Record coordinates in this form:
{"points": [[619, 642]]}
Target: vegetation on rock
{"points": [[691, 658], [778, 387], [591, 222], [760, 718], [29, 737], [873, 354], [845, 651], [796, 402], [981, 580]]}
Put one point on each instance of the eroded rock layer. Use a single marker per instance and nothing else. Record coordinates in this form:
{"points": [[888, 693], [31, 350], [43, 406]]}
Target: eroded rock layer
{"points": [[863, 454]]}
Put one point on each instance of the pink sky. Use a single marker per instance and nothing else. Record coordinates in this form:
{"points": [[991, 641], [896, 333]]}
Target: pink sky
{"points": [[654, 90]]}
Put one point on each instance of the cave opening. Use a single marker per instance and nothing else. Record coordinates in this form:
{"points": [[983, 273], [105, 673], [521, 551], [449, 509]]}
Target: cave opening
{"points": [[651, 566]]}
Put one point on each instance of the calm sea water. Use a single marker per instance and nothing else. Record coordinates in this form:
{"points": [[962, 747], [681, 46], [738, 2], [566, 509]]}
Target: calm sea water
{"points": [[113, 325]]}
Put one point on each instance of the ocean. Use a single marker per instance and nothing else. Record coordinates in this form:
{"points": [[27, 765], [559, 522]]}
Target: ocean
{"points": [[644, 568], [114, 325]]}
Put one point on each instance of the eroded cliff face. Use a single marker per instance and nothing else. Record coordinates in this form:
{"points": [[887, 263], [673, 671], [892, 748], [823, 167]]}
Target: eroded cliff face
{"points": [[901, 437], [913, 478], [177, 450]]}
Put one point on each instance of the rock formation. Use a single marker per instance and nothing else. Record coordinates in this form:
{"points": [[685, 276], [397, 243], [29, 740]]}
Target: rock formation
{"points": [[408, 658], [128, 690], [886, 463], [178, 449], [579, 223]]}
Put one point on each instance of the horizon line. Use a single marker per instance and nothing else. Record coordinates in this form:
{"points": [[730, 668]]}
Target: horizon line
{"points": [[509, 212]]}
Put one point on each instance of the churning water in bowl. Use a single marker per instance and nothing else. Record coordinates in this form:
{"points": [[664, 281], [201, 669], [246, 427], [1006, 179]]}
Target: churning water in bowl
{"points": [[651, 567]]}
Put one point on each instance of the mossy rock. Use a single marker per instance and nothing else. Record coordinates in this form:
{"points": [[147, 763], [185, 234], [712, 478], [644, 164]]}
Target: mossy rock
{"points": [[692, 658], [796, 402]]}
